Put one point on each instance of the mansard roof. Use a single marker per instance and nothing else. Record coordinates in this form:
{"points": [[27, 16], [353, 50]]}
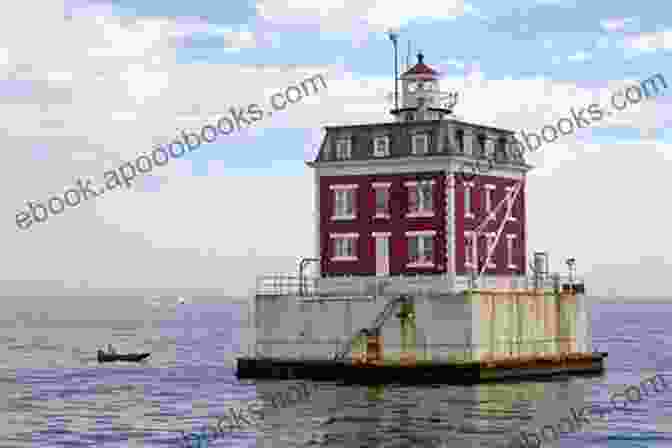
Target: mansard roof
{"points": [[399, 134]]}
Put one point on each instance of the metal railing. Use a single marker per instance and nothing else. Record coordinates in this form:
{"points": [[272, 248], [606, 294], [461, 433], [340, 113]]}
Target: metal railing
{"points": [[285, 285], [277, 285], [543, 282]]}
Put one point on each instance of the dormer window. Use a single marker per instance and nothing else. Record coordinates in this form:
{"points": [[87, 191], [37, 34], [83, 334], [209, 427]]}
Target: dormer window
{"points": [[481, 145], [459, 138], [381, 146], [419, 144], [343, 149], [501, 149]]}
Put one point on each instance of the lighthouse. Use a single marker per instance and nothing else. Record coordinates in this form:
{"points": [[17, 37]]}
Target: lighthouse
{"points": [[418, 261]]}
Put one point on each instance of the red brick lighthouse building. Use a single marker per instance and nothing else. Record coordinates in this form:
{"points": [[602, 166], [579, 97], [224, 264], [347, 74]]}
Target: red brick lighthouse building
{"points": [[402, 200], [419, 256]]}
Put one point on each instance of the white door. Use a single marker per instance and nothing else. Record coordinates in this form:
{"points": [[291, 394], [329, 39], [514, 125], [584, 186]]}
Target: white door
{"points": [[382, 256]]}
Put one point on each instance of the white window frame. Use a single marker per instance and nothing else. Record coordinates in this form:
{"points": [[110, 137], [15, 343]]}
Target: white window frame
{"points": [[385, 139], [509, 251], [421, 235], [468, 211], [343, 149], [471, 235], [423, 211], [340, 189], [488, 191], [352, 238], [385, 186], [489, 242], [414, 146], [509, 192]]}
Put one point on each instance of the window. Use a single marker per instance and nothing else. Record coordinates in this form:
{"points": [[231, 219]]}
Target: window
{"points": [[469, 249], [421, 250], [481, 145], [344, 203], [501, 149], [490, 241], [345, 246], [510, 247], [467, 201], [459, 137], [420, 144], [509, 200], [343, 149], [382, 202], [381, 146], [409, 117], [489, 197], [420, 198]]}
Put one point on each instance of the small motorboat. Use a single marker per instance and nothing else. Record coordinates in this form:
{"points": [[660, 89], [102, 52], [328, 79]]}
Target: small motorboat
{"points": [[130, 357]]}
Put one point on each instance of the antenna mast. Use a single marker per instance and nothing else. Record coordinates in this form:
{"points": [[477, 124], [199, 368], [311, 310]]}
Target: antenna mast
{"points": [[393, 37], [408, 56]]}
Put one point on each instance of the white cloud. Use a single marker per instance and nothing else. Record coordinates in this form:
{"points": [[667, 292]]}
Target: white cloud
{"points": [[650, 42], [378, 15]]}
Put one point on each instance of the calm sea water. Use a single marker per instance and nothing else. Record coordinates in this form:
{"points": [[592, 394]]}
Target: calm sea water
{"points": [[55, 394]]}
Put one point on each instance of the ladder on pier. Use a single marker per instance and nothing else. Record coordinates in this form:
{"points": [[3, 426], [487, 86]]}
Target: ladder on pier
{"points": [[380, 320]]}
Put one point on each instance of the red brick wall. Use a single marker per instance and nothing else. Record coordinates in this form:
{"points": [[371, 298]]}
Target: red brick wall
{"points": [[365, 224], [463, 224]]}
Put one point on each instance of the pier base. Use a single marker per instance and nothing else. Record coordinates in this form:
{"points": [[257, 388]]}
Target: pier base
{"points": [[419, 372]]}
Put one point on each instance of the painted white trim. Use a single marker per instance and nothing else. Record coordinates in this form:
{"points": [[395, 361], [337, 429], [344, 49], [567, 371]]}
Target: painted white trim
{"points": [[409, 164], [420, 233], [413, 183], [344, 235], [420, 214], [344, 259], [381, 234], [420, 265], [451, 240], [512, 266], [382, 216], [343, 186], [468, 184], [381, 184], [490, 186], [511, 236], [344, 218], [469, 215]]}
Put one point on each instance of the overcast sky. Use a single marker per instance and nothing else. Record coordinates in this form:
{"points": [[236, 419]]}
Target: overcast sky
{"points": [[87, 85]]}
